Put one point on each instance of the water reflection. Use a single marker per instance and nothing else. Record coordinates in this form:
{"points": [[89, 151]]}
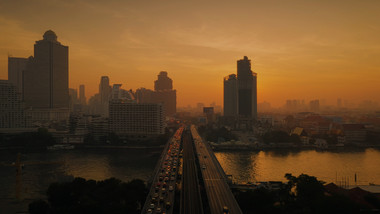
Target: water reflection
{"points": [[328, 166]]}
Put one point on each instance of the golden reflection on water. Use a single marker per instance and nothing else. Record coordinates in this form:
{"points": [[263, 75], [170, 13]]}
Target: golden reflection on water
{"points": [[251, 166]]}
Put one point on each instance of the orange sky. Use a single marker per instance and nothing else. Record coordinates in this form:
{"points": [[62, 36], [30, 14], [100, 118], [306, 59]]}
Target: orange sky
{"points": [[301, 49]]}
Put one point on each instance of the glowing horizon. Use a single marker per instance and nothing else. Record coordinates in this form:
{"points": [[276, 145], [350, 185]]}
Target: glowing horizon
{"points": [[299, 49]]}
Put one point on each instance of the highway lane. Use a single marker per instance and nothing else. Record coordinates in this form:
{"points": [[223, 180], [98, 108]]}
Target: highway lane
{"points": [[165, 177], [218, 192], [191, 202]]}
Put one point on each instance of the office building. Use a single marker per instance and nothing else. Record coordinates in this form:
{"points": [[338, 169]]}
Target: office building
{"points": [[46, 77], [16, 67], [82, 95], [163, 93], [245, 97], [11, 106], [230, 95], [247, 89], [138, 121], [163, 82]]}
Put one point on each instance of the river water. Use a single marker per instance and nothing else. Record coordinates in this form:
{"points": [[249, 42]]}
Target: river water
{"points": [[328, 166], [126, 164]]}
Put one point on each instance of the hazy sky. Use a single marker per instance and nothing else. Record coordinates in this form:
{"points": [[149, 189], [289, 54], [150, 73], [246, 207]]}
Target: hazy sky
{"points": [[302, 49]]}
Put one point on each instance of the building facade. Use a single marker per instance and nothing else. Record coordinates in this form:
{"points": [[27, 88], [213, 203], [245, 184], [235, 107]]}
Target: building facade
{"points": [[230, 95], [240, 91], [11, 106], [16, 67], [46, 78], [135, 120]]}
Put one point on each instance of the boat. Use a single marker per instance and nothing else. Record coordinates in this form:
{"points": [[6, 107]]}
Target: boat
{"points": [[61, 147]]}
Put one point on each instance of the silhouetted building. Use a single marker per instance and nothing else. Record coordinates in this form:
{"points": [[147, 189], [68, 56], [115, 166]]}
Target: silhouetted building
{"points": [[16, 67], [314, 105], [209, 114], [73, 95], [163, 94], [163, 82], [246, 91], [11, 107], [82, 95], [230, 95], [46, 78]]}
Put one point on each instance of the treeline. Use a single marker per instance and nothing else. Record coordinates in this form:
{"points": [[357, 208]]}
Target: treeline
{"points": [[303, 194], [81, 196], [216, 134], [40, 138]]}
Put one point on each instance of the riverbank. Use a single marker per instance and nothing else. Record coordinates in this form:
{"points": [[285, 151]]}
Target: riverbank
{"points": [[245, 147], [82, 146]]}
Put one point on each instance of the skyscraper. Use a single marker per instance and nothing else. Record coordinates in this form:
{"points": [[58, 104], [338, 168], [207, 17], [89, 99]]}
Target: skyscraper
{"points": [[105, 94], [16, 67], [163, 82], [82, 95], [230, 95], [46, 78], [245, 96]]}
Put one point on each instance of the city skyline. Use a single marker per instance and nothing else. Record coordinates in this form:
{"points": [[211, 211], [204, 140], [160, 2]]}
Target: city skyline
{"points": [[324, 53]]}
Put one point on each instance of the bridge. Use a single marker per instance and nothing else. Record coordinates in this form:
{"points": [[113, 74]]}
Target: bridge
{"points": [[188, 179]]}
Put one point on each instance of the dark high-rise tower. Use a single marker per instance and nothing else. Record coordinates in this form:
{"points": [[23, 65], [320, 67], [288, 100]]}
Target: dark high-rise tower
{"points": [[46, 78], [230, 95], [82, 95], [16, 67], [247, 89], [163, 82], [240, 91]]}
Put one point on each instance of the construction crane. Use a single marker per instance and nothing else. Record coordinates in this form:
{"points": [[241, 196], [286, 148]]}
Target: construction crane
{"points": [[19, 166]]}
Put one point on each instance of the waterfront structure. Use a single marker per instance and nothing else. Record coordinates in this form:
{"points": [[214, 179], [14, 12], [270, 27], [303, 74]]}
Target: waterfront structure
{"points": [[16, 67], [230, 95], [46, 78], [11, 106], [240, 91], [136, 120]]}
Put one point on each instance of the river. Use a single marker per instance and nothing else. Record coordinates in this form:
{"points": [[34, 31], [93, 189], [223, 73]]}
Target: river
{"points": [[128, 164]]}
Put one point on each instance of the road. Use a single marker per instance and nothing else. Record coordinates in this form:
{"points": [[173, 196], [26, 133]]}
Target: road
{"points": [[162, 192], [218, 192], [191, 202]]}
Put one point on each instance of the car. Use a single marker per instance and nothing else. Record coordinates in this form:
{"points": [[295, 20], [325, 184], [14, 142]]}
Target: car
{"points": [[158, 184], [160, 178], [172, 178], [225, 210], [168, 205], [163, 190], [158, 210], [155, 195], [171, 188], [204, 167], [151, 206], [164, 184], [156, 189], [149, 211], [161, 199]]}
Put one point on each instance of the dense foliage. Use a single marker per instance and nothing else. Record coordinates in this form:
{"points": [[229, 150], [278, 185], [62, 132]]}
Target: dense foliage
{"points": [[280, 137], [82, 196], [303, 194], [40, 138], [215, 134]]}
